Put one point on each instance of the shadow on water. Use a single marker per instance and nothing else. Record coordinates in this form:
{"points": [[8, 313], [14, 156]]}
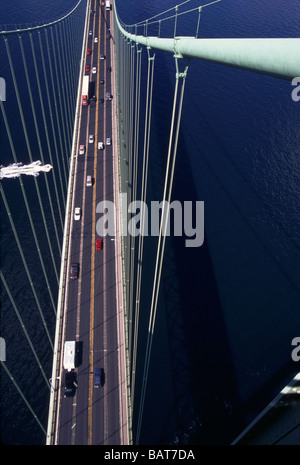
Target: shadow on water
{"points": [[211, 391], [197, 389]]}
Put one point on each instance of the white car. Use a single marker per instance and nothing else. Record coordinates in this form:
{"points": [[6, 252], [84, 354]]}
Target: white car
{"points": [[108, 141], [91, 138], [77, 213], [81, 150], [100, 146], [94, 70], [96, 40]]}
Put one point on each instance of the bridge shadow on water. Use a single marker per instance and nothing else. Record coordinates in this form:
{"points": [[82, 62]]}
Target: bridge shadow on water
{"points": [[202, 375], [192, 391]]}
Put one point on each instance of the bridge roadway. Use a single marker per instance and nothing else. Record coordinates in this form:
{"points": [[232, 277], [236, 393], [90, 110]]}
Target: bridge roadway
{"points": [[91, 314]]}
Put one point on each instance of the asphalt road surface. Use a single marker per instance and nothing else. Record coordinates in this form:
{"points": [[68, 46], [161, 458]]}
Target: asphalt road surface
{"points": [[92, 415]]}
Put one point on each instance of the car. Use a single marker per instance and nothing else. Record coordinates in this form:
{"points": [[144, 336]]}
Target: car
{"points": [[90, 33], [102, 56], [77, 213], [81, 149], [89, 181], [101, 81], [101, 100], [108, 141], [108, 35], [74, 270], [108, 69], [91, 139], [100, 146], [88, 51], [94, 98], [98, 377], [94, 70], [70, 384], [96, 40], [99, 244], [108, 96], [87, 68]]}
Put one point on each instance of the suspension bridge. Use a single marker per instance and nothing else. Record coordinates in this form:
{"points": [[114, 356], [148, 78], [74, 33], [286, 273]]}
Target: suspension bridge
{"points": [[53, 140]]}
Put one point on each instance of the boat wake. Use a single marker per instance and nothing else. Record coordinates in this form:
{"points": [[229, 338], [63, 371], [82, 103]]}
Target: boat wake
{"points": [[16, 169]]}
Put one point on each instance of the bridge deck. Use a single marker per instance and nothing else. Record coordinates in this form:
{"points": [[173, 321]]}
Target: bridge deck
{"points": [[92, 310]]}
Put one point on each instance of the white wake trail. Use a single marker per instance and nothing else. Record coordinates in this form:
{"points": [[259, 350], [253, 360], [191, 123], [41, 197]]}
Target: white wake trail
{"points": [[16, 169]]}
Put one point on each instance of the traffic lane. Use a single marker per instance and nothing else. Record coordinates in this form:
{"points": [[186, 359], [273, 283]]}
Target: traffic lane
{"points": [[99, 351], [85, 327], [67, 419], [66, 409], [112, 427], [112, 377], [66, 415], [79, 229], [84, 331]]}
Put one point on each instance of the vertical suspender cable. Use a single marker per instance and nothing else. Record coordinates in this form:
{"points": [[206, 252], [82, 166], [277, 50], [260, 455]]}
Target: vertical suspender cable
{"points": [[22, 395], [23, 327], [47, 138], [150, 77], [25, 263], [60, 157], [162, 237], [20, 179], [59, 98], [135, 167], [41, 153], [53, 134]]}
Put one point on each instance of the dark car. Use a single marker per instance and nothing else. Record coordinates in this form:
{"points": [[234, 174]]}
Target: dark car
{"points": [[101, 81], [74, 270], [94, 98], [70, 384], [98, 377], [99, 244], [108, 69], [101, 100]]}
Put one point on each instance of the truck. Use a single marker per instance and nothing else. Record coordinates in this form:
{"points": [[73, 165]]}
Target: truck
{"points": [[69, 355], [107, 5], [85, 90]]}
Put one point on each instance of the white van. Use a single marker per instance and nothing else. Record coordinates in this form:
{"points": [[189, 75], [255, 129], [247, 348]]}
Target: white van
{"points": [[89, 181]]}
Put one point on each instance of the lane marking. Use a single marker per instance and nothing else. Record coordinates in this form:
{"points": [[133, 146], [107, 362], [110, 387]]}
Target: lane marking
{"points": [[92, 295]]}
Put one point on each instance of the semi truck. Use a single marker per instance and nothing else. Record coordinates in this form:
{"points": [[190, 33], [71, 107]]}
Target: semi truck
{"points": [[69, 355], [85, 90]]}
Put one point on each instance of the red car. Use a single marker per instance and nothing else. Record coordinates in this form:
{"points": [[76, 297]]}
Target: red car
{"points": [[87, 68], [98, 244], [88, 51]]}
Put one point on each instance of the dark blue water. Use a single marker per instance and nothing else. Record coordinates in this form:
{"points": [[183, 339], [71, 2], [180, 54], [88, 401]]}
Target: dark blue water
{"points": [[231, 308], [228, 310]]}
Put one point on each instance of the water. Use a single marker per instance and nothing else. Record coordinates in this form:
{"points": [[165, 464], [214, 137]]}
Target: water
{"points": [[230, 309]]}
